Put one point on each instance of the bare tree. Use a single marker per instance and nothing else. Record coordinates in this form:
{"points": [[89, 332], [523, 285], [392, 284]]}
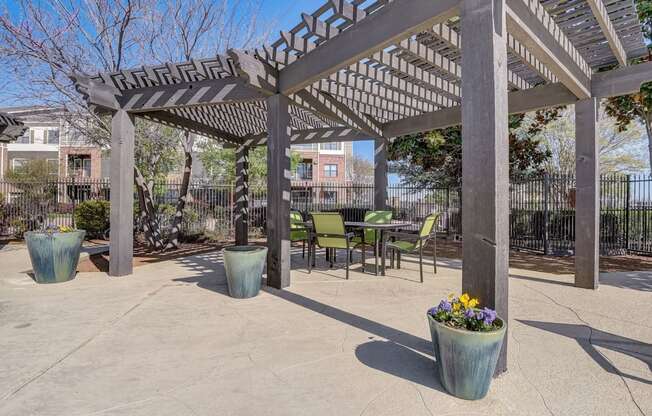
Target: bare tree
{"points": [[359, 170], [43, 44], [200, 28], [621, 151]]}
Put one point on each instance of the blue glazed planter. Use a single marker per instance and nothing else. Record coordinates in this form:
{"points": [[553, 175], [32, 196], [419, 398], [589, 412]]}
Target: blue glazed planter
{"points": [[244, 269], [466, 360], [54, 256]]}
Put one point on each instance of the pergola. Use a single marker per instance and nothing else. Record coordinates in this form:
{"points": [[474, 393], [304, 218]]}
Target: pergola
{"points": [[379, 69], [10, 128]]}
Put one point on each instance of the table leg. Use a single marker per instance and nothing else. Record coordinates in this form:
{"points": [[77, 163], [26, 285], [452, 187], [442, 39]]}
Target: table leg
{"points": [[363, 250], [377, 249]]}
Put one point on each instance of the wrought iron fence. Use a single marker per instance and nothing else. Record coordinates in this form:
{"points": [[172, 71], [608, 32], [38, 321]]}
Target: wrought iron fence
{"points": [[542, 209]]}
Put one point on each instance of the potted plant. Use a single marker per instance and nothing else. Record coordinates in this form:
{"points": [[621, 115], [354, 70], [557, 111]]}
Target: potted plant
{"points": [[467, 342], [244, 269], [54, 252]]}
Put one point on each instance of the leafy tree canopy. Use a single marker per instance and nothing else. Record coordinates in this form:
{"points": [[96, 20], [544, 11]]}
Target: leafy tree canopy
{"points": [[434, 159], [633, 108], [219, 163]]}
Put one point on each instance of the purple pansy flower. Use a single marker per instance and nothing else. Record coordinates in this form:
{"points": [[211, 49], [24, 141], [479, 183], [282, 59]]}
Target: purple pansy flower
{"points": [[489, 316], [444, 306], [469, 313], [432, 311]]}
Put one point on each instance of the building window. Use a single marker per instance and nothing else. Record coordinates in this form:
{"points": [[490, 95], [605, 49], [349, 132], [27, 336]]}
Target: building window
{"points": [[301, 196], [18, 163], [304, 170], [330, 197], [305, 147], [51, 136], [331, 146], [79, 165], [330, 171], [53, 166]]}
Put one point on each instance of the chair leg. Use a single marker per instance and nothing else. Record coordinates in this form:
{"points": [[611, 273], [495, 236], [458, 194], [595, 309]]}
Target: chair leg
{"points": [[421, 262], [303, 250], [398, 260], [309, 259], [382, 260], [391, 259], [434, 254], [347, 264]]}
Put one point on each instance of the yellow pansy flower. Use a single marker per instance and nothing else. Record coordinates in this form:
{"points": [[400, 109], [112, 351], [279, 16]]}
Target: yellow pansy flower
{"points": [[456, 307], [473, 303], [465, 300]]}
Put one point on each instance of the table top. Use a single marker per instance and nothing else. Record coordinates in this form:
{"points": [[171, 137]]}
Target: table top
{"points": [[362, 224], [389, 226]]}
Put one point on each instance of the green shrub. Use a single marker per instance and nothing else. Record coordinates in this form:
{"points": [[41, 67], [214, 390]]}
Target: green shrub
{"points": [[93, 216], [19, 227]]}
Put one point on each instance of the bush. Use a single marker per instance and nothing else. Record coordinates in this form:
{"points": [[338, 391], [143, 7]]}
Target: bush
{"points": [[93, 216]]}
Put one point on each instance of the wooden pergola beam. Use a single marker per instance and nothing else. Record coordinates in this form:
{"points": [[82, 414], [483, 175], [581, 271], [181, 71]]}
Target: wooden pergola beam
{"points": [[10, 128], [531, 25], [388, 25], [171, 119], [374, 85], [321, 135], [602, 16], [190, 94], [622, 81], [537, 98]]}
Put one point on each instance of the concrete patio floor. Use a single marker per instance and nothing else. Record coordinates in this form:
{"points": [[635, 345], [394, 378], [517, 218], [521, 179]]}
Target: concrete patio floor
{"points": [[168, 341]]}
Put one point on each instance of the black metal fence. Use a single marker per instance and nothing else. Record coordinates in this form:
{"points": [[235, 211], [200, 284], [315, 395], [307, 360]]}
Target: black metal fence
{"points": [[542, 209]]}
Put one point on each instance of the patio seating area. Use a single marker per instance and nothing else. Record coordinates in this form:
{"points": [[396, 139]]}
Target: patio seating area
{"points": [[169, 337], [168, 340]]}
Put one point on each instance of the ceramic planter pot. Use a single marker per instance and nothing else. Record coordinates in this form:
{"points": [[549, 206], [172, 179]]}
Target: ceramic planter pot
{"points": [[466, 360], [244, 269], [54, 256]]}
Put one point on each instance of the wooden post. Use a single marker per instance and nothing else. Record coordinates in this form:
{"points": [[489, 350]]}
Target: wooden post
{"points": [[242, 196], [278, 191], [587, 205], [485, 157], [121, 245], [380, 173]]}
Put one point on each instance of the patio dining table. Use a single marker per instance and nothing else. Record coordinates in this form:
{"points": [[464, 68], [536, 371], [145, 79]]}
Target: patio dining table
{"points": [[378, 228]]}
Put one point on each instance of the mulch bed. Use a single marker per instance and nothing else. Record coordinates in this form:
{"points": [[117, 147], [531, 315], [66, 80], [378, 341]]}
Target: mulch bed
{"points": [[552, 264], [445, 248]]}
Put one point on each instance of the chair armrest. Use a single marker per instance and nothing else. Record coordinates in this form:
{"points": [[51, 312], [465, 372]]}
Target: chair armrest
{"points": [[402, 236]]}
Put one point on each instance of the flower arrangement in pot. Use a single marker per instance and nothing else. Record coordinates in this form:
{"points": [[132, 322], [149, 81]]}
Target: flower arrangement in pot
{"points": [[54, 253], [467, 342]]}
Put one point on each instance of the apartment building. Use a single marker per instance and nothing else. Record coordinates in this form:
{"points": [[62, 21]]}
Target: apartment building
{"points": [[50, 138], [325, 164]]}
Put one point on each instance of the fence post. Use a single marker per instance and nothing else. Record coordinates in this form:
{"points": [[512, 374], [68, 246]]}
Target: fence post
{"points": [[74, 200], [448, 210], [546, 212], [627, 208]]}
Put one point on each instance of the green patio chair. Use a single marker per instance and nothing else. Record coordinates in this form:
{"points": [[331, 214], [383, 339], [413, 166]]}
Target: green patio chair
{"points": [[410, 243], [330, 234], [298, 230], [372, 236]]}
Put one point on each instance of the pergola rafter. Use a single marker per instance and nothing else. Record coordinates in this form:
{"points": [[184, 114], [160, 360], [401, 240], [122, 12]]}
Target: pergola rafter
{"points": [[10, 128], [378, 69]]}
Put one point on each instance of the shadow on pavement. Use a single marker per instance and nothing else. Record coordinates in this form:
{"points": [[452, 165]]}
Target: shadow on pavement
{"points": [[596, 338]]}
